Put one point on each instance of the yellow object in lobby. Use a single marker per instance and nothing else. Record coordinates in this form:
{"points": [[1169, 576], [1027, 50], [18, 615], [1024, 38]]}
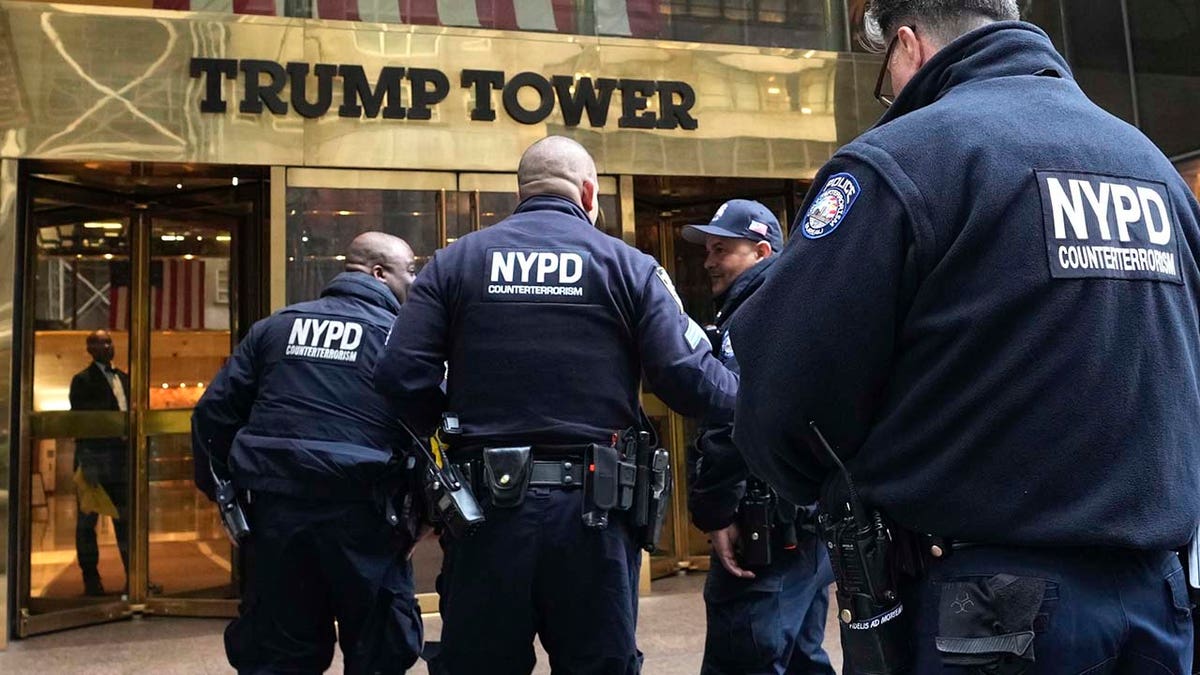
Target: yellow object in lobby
{"points": [[93, 498]]}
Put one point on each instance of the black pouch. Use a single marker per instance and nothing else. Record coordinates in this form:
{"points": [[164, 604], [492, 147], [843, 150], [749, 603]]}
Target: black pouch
{"points": [[507, 472], [988, 623]]}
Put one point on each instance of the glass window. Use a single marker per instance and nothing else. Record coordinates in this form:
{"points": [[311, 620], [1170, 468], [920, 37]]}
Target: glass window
{"points": [[1095, 43], [321, 222]]}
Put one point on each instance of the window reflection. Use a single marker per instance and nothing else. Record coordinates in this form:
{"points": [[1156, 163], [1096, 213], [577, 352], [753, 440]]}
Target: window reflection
{"points": [[321, 223]]}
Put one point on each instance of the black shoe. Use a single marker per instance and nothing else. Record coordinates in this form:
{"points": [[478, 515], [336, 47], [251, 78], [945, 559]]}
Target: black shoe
{"points": [[92, 586]]}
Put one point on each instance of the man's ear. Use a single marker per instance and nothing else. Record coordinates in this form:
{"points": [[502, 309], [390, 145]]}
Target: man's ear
{"points": [[378, 272], [587, 196], [763, 250], [911, 48]]}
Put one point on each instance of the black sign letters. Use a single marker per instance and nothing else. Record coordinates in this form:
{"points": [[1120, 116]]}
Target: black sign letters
{"points": [[527, 97]]}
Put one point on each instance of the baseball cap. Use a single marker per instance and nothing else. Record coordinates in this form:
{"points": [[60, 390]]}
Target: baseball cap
{"points": [[741, 218]]}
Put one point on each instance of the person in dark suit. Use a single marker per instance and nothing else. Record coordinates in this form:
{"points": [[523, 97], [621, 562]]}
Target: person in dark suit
{"points": [[103, 461]]}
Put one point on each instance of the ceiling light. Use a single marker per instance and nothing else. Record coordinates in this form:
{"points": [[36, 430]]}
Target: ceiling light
{"points": [[108, 256], [772, 90], [806, 111], [235, 181], [188, 257], [179, 186], [339, 257], [343, 213], [304, 238], [224, 237], [103, 226]]}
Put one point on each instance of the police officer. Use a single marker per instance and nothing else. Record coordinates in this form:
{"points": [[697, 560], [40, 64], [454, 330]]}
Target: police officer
{"points": [[783, 600], [547, 325], [293, 418], [991, 314]]}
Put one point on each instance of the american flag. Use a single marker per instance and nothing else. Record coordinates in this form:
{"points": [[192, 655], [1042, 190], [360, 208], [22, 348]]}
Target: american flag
{"points": [[630, 18], [176, 295]]}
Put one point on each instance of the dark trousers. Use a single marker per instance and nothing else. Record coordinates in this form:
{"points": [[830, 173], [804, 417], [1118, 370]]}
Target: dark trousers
{"points": [[87, 548], [535, 569], [1094, 611], [309, 563], [773, 624]]}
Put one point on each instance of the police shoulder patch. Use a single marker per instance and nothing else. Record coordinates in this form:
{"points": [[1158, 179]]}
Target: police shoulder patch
{"points": [[831, 206]]}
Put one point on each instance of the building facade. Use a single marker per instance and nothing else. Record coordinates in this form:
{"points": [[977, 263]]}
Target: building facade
{"points": [[171, 171]]}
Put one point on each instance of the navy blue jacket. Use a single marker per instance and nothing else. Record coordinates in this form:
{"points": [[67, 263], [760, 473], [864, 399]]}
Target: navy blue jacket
{"points": [[717, 471], [990, 309], [547, 325], [293, 411]]}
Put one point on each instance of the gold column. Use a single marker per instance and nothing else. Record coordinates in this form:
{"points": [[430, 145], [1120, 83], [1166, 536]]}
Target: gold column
{"points": [[8, 261], [277, 219], [628, 224], [139, 383]]}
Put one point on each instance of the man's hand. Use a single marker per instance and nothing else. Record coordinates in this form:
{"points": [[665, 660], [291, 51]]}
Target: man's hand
{"points": [[723, 542]]}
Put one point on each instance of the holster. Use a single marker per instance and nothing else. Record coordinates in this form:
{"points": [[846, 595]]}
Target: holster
{"points": [[506, 472], [755, 521]]}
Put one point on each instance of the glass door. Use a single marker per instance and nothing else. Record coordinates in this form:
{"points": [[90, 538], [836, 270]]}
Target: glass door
{"points": [[663, 207], [129, 309]]}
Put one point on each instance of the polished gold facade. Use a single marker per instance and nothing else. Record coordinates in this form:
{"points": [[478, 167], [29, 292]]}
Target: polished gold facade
{"points": [[95, 83], [8, 260]]}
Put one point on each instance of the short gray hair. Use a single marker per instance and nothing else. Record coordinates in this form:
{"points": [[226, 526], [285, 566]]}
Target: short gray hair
{"points": [[942, 20]]}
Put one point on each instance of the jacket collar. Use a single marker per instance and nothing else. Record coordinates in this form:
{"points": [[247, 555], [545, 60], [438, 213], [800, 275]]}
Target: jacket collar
{"points": [[742, 288], [1000, 49], [364, 287], [553, 203]]}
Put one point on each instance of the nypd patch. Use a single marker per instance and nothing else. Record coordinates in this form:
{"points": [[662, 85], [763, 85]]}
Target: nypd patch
{"points": [[831, 206]]}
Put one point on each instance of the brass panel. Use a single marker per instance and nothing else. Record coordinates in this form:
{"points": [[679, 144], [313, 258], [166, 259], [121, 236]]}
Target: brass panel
{"points": [[34, 624], [8, 262], [628, 213], [488, 182], [197, 607], [79, 424], [109, 83], [370, 180], [278, 225], [607, 185], [164, 422]]}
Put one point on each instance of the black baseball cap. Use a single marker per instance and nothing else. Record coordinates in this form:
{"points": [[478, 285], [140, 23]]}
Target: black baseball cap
{"points": [[742, 219]]}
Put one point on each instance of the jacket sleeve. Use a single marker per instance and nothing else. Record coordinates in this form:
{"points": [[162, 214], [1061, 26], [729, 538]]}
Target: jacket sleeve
{"points": [[224, 409], [412, 368], [815, 342], [717, 478], [677, 357]]}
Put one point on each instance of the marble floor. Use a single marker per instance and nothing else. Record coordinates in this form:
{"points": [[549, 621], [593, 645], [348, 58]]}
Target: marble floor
{"points": [[670, 632]]}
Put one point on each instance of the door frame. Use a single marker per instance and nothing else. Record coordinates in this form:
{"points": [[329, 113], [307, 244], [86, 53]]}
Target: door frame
{"points": [[139, 422]]}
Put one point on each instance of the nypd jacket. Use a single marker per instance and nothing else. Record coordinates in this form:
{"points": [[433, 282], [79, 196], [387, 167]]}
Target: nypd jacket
{"points": [[293, 411], [716, 469], [991, 312], [547, 326]]}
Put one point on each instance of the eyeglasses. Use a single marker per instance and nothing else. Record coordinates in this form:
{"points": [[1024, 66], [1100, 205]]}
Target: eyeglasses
{"points": [[886, 99]]}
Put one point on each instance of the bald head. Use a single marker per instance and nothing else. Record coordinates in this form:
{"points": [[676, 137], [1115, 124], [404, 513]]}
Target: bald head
{"points": [[557, 165], [100, 346], [385, 257]]}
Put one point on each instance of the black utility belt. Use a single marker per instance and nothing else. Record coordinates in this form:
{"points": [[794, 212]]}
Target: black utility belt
{"points": [[542, 473], [629, 476]]}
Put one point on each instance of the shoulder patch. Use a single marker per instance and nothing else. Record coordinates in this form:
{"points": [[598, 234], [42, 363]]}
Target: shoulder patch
{"points": [[831, 206]]}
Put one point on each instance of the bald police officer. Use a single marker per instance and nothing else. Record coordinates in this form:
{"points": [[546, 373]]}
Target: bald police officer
{"points": [[783, 595], [548, 326], [991, 312], [294, 420]]}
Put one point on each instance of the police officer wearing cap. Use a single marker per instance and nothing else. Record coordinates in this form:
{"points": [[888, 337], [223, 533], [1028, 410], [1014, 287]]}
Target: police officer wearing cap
{"points": [[783, 595], [548, 326], [990, 314], [294, 420]]}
